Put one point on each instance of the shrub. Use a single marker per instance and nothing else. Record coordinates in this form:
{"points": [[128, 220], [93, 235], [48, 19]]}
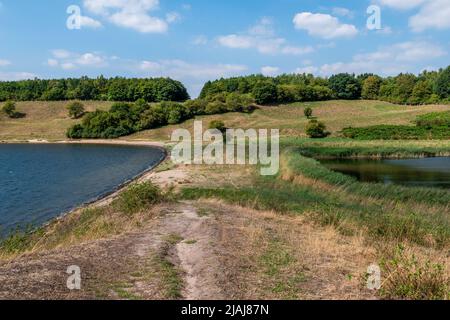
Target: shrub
{"points": [[75, 132], [308, 112], [217, 124], [138, 197], [434, 119], [9, 109], [408, 278], [215, 107], [76, 110], [316, 129]]}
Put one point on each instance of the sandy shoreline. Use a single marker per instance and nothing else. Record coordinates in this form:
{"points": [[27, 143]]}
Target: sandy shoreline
{"points": [[108, 197]]}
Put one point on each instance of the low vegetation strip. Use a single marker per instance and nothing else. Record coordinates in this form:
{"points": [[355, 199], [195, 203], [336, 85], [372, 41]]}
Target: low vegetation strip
{"points": [[390, 132], [348, 148]]}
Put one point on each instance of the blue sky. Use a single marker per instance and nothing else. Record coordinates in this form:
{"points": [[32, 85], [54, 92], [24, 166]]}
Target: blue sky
{"points": [[198, 40]]}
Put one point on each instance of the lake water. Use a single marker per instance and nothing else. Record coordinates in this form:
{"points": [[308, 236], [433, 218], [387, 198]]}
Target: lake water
{"points": [[41, 181], [426, 172]]}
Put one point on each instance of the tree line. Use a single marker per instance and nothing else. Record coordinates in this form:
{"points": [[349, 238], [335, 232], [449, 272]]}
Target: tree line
{"points": [[100, 88], [426, 88]]}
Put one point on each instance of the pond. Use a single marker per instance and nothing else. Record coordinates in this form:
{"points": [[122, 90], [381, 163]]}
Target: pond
{"points": [[424, 172], [42, 181]]}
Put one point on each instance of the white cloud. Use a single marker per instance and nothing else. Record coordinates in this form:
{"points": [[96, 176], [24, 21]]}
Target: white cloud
{"points": [[200, 40], [15, 76], [179, 69], [323, 25], [297, 50], [307, 70], [172, 17], [68, 66], [61, 54], [270, 71], [262, 38], [52, 62], [343, 12], [90, 59], [193, 75], [133, 14], [402, 4], [236, 42], [88, 22], [71, 60], [401, 57], [434, 14], [4, 63]]}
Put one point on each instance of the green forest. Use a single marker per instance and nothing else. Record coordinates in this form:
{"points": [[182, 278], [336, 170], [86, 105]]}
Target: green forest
{"points": [[426, 88], [113, 89]]}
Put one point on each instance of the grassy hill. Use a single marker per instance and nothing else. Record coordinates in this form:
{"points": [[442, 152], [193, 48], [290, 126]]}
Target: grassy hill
{"points": [[49, 120]]}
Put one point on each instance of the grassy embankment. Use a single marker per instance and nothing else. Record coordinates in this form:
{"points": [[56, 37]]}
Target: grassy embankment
{"points": [[400, 222], [50, 120]]}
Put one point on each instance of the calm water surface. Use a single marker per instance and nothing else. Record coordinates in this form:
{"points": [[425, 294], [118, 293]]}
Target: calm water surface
{"points": [[39, 182], [426, 172]]}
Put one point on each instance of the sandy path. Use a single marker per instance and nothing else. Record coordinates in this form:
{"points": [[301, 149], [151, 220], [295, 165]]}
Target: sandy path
{"points": [[107, 263]]}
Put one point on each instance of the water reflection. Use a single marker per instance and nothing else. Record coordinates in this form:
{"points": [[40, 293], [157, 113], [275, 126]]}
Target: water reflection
{"points": [[426, 172]]}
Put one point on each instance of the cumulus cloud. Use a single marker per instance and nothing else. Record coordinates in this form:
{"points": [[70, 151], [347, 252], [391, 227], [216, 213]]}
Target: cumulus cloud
{"points": [[262, 38], [88, 22], [402, 4], [323, 25], [343, 12], [434, 14], [15, 76], [4, 62], [72, 60], [133, 14], [270, 71], [401, 57], [200, 40], [307, 70], [180, 69], [193, 75]]}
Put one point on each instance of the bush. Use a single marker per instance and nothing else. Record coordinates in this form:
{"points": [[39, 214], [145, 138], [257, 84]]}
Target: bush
{"points": [[308, 112], [316, 129], [434, 119], [9, 109], [215, 107], [138, 197], [217, 124], [408, 278], [76, 110]]}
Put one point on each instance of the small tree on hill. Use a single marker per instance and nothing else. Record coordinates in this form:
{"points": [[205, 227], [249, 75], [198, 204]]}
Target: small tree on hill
{"points": [[9, 108], [316, 129], [308, 112], [217, 124], [76, 110]]}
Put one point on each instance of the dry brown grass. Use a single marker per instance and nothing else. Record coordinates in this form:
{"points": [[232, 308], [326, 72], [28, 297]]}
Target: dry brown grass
{"points": [[284, 257], [292, 122], [44, 120]]}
